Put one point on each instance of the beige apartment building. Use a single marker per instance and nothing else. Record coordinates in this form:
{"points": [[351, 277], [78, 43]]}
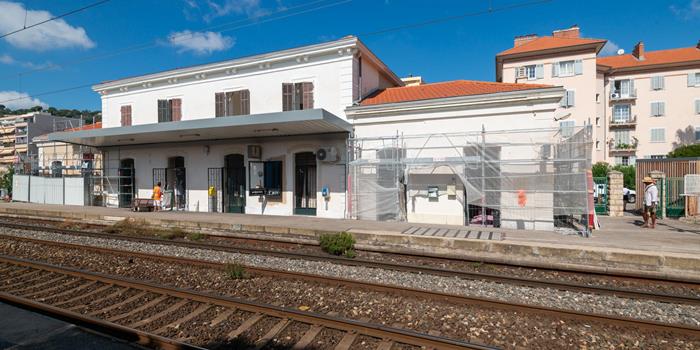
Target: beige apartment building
{"points": [[641, 105]]}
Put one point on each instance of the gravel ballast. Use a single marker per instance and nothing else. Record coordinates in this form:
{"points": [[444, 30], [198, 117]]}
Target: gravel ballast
{"points": [[582, 302]]}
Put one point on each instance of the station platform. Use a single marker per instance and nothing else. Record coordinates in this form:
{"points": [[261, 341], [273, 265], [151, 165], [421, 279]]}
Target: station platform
{"points": [[672, 250], [24, 330]]}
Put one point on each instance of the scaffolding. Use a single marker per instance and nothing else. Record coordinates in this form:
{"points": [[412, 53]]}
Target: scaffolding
{"points": [[523, 179]]}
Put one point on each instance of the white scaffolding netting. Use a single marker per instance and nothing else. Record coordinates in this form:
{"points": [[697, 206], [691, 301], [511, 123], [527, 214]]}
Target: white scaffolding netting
{"points": [[516, 179]]}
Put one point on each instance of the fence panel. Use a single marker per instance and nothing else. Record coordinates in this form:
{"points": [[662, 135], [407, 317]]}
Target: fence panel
{"points": [[20, 188], [600, 195], [675, 203], [37, 189], [53, 190], [74, 191]]}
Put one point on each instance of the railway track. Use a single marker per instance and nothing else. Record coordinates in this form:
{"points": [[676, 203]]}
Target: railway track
{"points": [[172, 318], [522, 281], [681, 329]]}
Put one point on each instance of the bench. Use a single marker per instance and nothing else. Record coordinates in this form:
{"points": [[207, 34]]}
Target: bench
{"points": [[144, 204]]}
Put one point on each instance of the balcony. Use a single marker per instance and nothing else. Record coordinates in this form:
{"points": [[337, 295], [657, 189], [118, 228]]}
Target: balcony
{"points": [[619, 95], [627, 123], [623, 148]]}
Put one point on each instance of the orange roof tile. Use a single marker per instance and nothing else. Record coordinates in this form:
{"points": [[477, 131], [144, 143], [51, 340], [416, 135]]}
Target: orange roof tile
{"points": [[443, 90], [97, 125], [685, 54], [550, 42]]}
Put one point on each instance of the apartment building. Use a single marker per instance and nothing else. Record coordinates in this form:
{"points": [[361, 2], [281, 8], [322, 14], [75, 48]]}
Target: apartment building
{"points": [[18, 131], [641, 105]]}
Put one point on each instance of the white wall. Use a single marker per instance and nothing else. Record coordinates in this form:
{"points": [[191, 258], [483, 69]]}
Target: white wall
{"points": [[197, 162]]}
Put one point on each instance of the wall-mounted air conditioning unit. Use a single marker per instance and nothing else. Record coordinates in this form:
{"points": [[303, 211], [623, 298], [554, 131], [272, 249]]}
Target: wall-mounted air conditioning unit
{"points": [[615, 95], [327, 154]]}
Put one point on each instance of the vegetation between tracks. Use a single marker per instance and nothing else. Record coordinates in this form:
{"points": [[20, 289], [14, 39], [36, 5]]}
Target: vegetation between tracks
{"points": [[140, 227], [338, 244]]}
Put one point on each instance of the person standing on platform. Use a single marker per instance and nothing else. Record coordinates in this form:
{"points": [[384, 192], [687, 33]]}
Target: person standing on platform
{"points": [[157, 196], [651, 201]]}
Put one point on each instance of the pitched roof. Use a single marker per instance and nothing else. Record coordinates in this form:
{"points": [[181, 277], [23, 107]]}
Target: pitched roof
{"points": [[446, 89], [684, 54], [550, 42]]}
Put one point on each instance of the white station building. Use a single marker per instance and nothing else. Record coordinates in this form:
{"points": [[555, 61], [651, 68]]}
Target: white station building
{"points": [[282, 133]]}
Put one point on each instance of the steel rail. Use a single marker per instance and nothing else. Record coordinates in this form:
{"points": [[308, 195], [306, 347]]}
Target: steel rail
{"points": [[347, 325], [522, 281], [410, 292]]}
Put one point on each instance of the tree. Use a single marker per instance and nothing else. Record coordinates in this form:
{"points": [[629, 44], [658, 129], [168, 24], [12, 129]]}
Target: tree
{"points": [[686, 151], [600, 169], [6, 180]]}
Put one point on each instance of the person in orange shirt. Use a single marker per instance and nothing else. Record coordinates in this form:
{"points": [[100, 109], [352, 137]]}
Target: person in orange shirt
{"points": [[157, 195]]}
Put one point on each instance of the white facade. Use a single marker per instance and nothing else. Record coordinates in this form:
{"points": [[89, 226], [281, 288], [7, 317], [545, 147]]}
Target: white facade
{"points": [[342, 72]]}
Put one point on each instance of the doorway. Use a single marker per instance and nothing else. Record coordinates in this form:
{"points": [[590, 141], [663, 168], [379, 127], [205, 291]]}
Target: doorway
{"points": [[176, 180], [234, 183], [126, 182], [305, 183]]}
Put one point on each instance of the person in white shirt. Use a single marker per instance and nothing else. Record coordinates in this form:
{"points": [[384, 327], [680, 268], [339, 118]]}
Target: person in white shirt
{"points": [[651, 201]]}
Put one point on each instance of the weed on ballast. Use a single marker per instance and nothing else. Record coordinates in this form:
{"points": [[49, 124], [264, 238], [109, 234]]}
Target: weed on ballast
{"points": [[341, 243], [235, 271]]}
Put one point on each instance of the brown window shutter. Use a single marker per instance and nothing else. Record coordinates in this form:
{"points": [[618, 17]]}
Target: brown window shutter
{"points": [[123, 116], [176, 112], [245, 102], [308, 99], [219, 104], [127, 120], [287, 97]]}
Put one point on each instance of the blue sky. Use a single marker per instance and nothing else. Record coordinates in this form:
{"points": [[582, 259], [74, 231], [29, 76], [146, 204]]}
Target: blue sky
{"points": [[89, 46]]}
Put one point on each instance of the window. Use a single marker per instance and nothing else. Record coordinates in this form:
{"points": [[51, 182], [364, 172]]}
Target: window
{"points": [[597, 98], [597, 145], [169, 110], [657, 82], [530, 72], [658, 109], [697, 133], [697, 106], [266, 178], [657, 156], [566, 69], [658, 135], [623, 88], [621, 113], [567, 128], [296, 96], [569, 99], [126, 116], [232, 103], [694, 79], [625, 160], [622, 137]]}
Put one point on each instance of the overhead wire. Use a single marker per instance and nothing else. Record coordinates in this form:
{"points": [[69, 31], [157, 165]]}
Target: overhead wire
{"points": [[25, 27]]}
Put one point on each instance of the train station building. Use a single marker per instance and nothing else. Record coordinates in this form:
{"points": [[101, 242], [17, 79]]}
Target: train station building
{"points": [[328, 130]]}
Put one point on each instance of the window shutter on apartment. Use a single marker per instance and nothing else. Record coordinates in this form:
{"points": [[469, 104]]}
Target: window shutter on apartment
{"points": [[539, 71], [697, 106], [657, 83], [219, 104], [570, 98], [308, 95], [176, 111], [126, 116], [662, 108], [555, 69], [287, 96], [654, 109], [632, 91], [578, 67]]}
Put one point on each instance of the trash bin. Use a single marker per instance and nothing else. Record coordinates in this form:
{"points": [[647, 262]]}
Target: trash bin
{"points": [[212, 199]]}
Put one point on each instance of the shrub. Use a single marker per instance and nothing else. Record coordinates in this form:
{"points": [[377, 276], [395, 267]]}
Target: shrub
{"points": [[196, 236], [172, 233], [629, 175], [338, 244], [686, 151], [235, 271], [600, 169]]}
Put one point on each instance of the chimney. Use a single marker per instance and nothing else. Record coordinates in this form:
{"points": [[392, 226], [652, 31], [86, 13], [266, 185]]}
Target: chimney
{"points": [[698, 45], [524, 39], [570, 33], [639, 51]]}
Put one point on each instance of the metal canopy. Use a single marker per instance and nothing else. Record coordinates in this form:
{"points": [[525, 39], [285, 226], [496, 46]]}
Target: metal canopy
{"points": [[304, 122]]}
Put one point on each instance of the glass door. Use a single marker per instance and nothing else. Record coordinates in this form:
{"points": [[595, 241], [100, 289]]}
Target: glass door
{"points": [[305, 183], [234, 180]]}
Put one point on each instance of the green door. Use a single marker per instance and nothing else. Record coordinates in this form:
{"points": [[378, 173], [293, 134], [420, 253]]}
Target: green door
{"points": [[234, 182], [675, 203], [305, 183], [600, 195]]}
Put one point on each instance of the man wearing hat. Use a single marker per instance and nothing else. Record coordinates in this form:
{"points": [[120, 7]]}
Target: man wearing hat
{"points": [[651, 200]]}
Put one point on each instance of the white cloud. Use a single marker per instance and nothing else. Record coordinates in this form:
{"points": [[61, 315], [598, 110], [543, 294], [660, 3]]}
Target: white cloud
{"points": [[19, 100], [690, 11], [56, 34], [609, 49], [7, 59], [212, 9], [200, 43]]}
